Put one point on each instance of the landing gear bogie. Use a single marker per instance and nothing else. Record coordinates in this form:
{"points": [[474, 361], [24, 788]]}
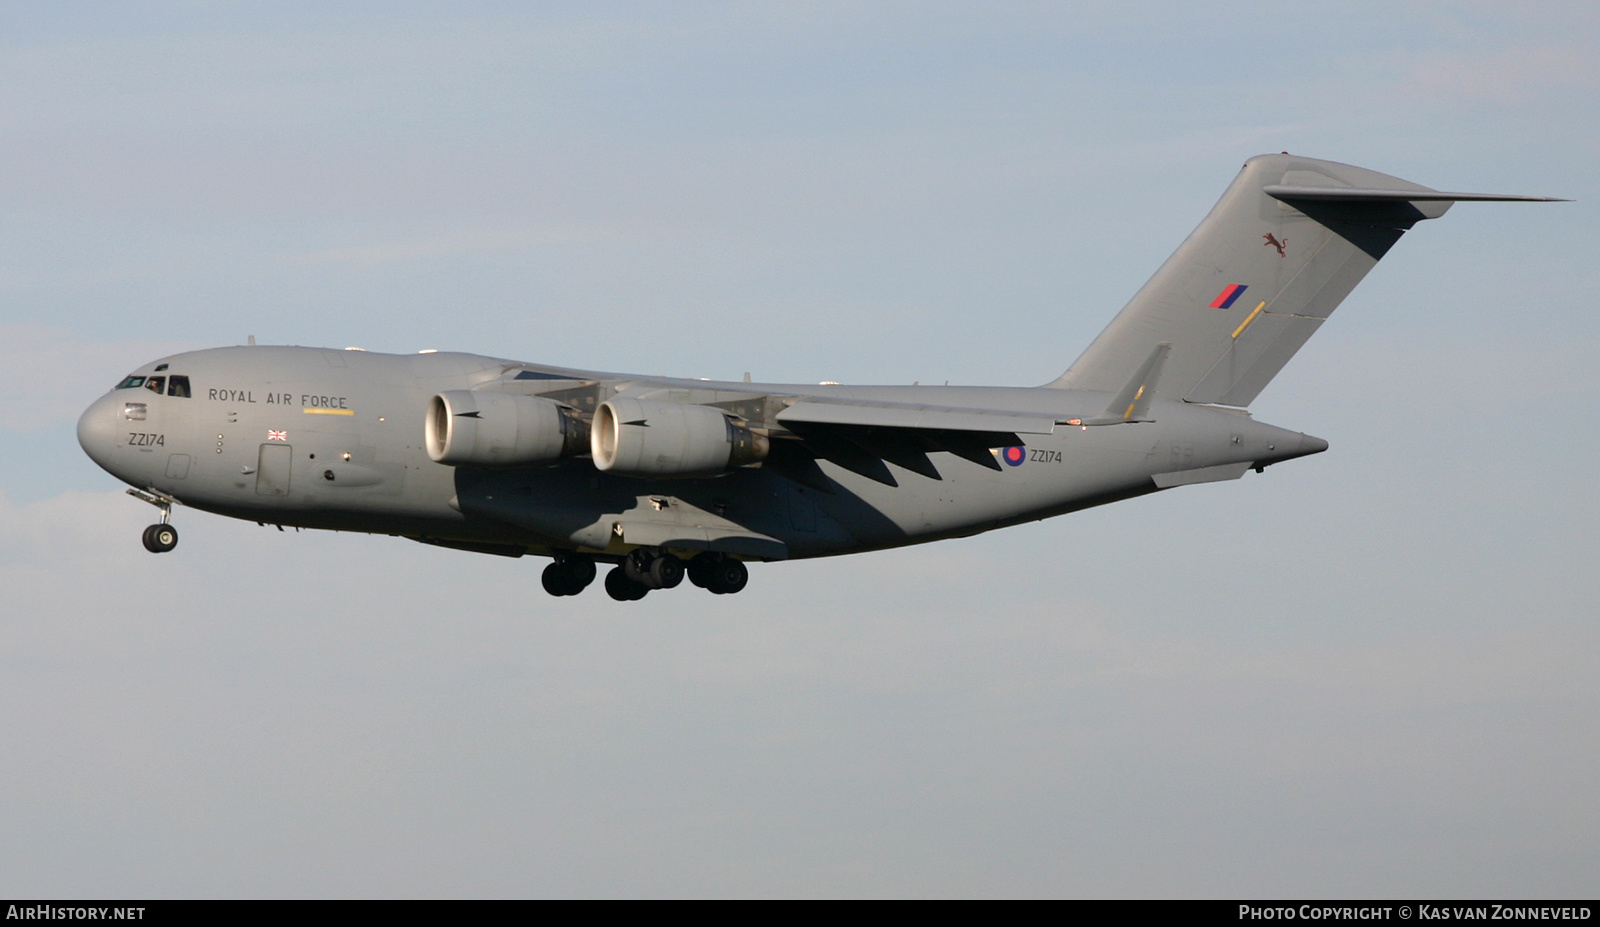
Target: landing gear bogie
{"points": [[728, 577], [568, 575], [666, 571], [653, 569], [620, 587], [718, 574]]}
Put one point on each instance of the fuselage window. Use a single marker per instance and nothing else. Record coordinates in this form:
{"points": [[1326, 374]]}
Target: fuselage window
{"points": [[131, 382], [155, 384], [178, 386]]}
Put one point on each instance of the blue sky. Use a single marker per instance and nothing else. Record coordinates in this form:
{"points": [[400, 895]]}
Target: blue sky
{"points": [[1363, 673]]}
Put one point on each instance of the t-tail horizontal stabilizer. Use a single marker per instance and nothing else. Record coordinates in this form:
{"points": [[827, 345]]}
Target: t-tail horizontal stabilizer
{"points": [[1132, 402], [1287, 242]]}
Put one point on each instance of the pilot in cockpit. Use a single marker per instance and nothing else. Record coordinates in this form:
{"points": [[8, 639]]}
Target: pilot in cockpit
{"points": [[176, 385]]}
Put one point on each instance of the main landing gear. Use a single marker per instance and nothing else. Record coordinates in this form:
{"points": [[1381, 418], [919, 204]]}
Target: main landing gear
{"points": [[718, 575], [568, 574], [161, 537], [643, 570]]}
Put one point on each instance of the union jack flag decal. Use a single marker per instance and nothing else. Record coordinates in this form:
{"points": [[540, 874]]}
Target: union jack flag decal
{"points": [[277, 436]]}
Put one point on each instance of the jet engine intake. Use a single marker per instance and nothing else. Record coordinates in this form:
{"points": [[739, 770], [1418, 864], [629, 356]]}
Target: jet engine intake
{"points": [[639, 437], [481, 429]]}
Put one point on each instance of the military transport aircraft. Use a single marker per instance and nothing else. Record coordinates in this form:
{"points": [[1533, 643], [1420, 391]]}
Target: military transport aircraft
{"points": [[664, 477]]}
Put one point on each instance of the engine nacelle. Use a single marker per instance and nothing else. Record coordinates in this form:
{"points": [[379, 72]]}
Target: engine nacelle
{"points": [[480, 429], [635, 437]]}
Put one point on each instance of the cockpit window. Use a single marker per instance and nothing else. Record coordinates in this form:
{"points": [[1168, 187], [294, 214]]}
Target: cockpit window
{"points": [[178, 386], [131, 382], [156, 384]]}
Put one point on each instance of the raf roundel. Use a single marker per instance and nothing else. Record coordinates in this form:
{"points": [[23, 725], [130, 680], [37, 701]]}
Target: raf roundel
{"points": [[1013, 456]]}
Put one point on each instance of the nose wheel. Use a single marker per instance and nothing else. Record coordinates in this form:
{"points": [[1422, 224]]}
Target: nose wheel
{"points": [[158, 539], [162, 537]]}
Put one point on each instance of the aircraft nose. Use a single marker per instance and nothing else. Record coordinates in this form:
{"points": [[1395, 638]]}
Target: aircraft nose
{"points": [[97, 429]]}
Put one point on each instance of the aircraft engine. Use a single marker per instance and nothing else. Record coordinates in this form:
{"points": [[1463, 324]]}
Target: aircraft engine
{"points": [[480, 429], [634, 437]]}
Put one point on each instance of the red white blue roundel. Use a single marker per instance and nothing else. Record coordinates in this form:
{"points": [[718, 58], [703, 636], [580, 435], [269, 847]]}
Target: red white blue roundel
{"points": [[1013, 456]]}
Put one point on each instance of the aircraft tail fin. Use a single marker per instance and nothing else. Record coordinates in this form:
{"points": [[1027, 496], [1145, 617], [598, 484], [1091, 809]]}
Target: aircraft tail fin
{"points": [[1287, 242]]}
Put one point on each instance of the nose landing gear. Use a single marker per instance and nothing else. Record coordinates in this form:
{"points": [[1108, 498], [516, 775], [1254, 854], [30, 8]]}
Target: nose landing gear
{"points": [[161, 537]]}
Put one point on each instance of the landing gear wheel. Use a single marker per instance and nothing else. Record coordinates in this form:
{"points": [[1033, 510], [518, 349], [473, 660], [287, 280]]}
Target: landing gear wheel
{"points": [[666, 571], [701, 568], [568, 575], [623, 589], [653, 570], [581, 569], [158, 539], [556, 581], [728, 577]]}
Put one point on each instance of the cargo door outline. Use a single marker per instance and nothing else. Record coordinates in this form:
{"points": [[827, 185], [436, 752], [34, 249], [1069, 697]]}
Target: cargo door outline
{"points": [[272, 469]]}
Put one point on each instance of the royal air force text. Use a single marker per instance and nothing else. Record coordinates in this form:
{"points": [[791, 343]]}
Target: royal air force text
{"points": [[284, 399]]}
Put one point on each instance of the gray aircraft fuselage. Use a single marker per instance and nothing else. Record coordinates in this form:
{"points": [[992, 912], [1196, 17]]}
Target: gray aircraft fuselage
{"points": [[349, 425], [670, 477]]}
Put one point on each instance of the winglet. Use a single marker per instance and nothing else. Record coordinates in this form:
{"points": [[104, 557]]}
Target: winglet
{"points": [[1132, 402]]}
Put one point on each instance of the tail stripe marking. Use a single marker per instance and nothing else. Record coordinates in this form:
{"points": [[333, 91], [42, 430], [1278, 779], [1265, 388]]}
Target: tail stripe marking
{"points": [[1229, 295]]}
